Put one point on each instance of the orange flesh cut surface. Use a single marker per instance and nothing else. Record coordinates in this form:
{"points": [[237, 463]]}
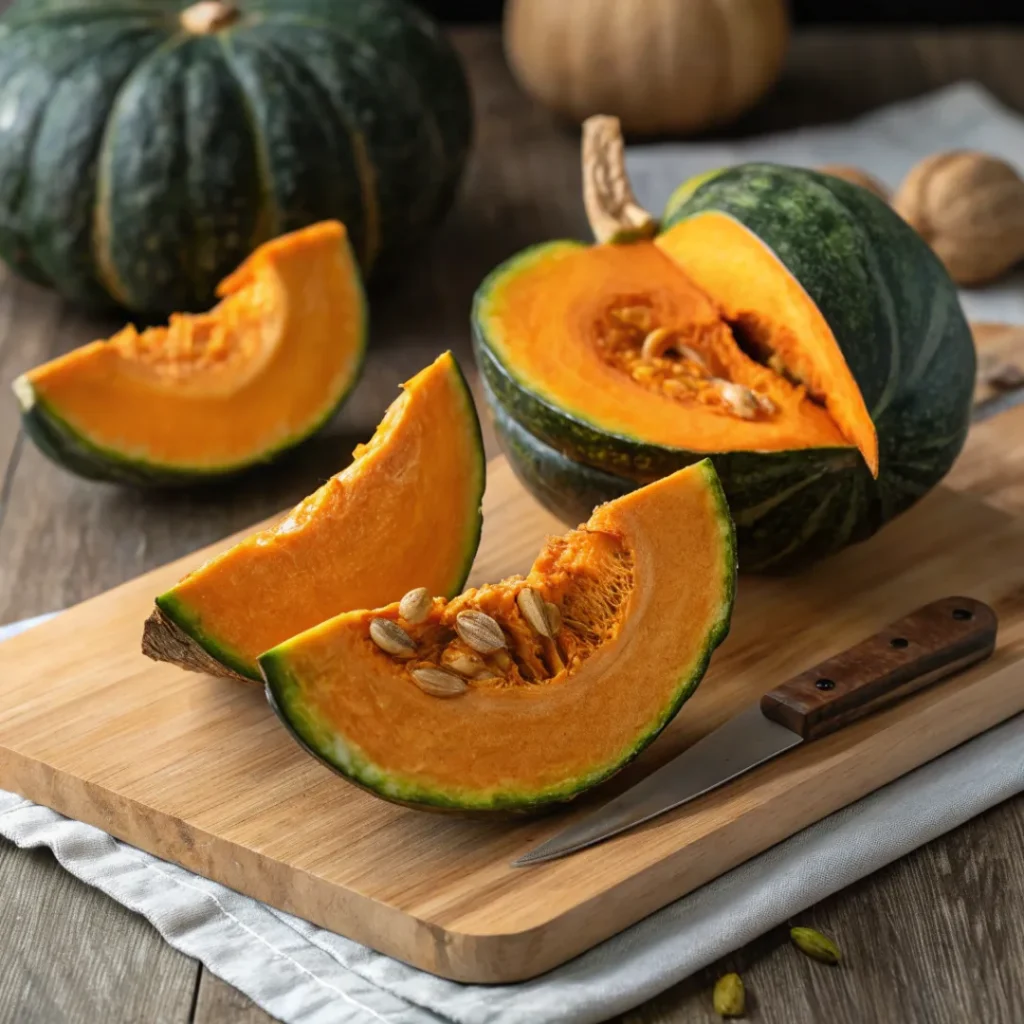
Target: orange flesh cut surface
{"points": [[644, 592], [404, 514], [261, 369], [750, 364]]}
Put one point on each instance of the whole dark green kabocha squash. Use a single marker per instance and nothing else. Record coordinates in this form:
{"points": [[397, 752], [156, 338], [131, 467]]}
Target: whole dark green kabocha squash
{"points": [[147, 146], [785, 323]]}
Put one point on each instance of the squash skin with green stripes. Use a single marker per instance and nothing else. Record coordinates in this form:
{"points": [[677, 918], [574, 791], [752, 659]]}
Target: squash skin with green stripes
{"points": [[896, 316], [140, 163]]}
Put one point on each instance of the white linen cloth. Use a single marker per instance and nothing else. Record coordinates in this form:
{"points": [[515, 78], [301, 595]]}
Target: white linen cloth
{"points": [[302, 974]]}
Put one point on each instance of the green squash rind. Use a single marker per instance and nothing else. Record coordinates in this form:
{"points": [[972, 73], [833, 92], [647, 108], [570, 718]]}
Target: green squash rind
{"points": [[188, 620], [72, 450], [189, 623], [319, 739], [568, 489], [792, 508]]}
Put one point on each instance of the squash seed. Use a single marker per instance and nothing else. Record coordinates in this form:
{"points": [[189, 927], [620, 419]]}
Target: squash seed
{"points": [[416, 605], [391, 638], [534, 609], [465, 663], [817, 946], [554, 617], [729, 997], [657, 343], [742, 401], [437, 682], [479, 631]]}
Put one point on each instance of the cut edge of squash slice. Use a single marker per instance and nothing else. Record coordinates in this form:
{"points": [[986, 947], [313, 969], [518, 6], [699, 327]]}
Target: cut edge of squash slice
{"points": [[211, 394], [757, 296], [644, 591], [404, 513]]}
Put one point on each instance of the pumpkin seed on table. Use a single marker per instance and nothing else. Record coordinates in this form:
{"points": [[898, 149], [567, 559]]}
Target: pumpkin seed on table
{"points": [[438, 683], [480, 631], [415, 606], [815, 945], [535, 611], [729, 997], [391, 638]]}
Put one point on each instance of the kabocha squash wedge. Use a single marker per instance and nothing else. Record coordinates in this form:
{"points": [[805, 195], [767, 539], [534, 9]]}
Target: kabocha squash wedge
{"points": [[213, 393], [404, 514], [785, 323], [528, 691]]}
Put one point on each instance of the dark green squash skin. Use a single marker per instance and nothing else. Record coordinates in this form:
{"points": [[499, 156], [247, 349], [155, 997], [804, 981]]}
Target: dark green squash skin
{"points": [[896, 316], [142, 164], [570, 490]]}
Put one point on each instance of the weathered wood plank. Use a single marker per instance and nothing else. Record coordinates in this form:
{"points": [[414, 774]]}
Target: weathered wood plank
{"points": [[71, 955], [219, 1003], [935, 938]]}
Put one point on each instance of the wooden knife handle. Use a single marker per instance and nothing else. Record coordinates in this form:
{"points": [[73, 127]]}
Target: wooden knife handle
{"points": [[934, 642]]}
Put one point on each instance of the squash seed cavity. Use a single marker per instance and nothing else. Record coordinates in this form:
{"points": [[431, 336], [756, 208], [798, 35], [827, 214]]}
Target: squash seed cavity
{"points": [[522, 638], [695, 364]]}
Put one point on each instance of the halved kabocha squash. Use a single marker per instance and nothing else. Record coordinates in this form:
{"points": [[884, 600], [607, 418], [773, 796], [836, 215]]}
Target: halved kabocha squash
{"points": [[404, 514], [785, 323], [211, 393], [528, 691]]}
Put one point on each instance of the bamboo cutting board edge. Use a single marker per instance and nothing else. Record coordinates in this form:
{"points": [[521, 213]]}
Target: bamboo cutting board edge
{"points": [[450, 935]]}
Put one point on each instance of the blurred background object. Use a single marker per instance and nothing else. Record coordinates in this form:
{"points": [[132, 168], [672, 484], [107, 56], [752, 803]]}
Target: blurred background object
{"points": [[663, 67], [916, 12]]}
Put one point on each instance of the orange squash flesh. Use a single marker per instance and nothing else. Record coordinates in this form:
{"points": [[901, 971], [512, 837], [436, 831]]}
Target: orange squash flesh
{"points": [[644, 591], [404, 514], [222, 389], [752, 364], [751, 286]]}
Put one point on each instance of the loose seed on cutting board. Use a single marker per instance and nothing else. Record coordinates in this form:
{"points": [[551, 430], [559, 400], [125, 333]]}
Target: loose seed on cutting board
{"points": [[391, 638], [479, 631], [534, 609], [438, 683]]}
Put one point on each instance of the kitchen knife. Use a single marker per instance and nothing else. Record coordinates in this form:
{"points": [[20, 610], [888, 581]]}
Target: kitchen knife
{"points": [[928, 645]]}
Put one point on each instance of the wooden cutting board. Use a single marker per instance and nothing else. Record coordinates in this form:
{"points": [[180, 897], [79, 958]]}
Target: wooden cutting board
{"points": [[198, 771]]}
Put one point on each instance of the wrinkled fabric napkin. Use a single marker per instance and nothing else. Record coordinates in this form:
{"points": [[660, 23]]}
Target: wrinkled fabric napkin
{"points": [[302, 974]]}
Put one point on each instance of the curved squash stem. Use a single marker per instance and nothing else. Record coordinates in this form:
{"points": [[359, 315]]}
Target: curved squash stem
{"points": [[612, 209], [208, 16]]}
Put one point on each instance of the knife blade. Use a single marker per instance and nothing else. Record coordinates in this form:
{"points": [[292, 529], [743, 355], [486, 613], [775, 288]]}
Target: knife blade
{"points": [[930, 644]]}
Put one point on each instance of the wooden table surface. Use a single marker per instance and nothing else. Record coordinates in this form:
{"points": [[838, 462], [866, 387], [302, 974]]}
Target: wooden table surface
{"points": [[935, 938]]}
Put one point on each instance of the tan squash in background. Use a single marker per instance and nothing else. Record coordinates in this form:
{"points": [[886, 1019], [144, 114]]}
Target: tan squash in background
{"points": [[660, 66]]}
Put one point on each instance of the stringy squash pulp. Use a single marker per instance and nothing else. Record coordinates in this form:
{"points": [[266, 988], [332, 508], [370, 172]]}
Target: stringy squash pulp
{"points": [[404, 514], [530, 690], [214, 392]]}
